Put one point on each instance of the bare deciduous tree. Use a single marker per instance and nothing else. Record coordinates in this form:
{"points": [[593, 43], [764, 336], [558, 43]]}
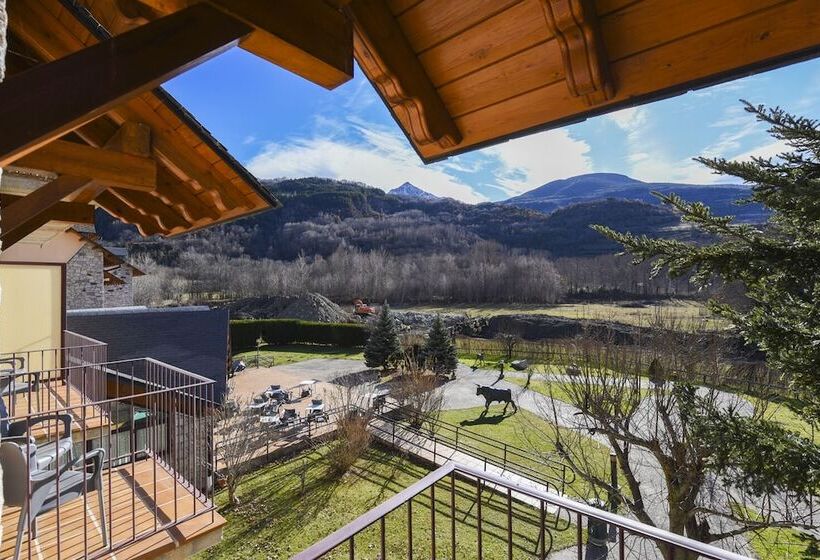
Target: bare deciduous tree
{"points": [[239, 436], [420, 391], [648, 424], [352, 436]]}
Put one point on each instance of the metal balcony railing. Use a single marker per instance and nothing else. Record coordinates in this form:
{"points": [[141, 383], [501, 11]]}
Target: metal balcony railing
{"points": [[105, 455], [21, 372], [633, 539]]}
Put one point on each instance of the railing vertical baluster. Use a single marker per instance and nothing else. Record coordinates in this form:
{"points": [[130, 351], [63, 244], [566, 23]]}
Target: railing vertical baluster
{"points": [[543, 535], [509, 525], [621, 544], [133, 458], [453, 514], [352, 548], [580, 537], [478, 516], [383, 541], [433, 521], [410, 529]]}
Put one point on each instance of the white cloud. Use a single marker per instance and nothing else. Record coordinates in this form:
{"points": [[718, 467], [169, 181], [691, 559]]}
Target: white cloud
{"points": [[368, 154], [531, 161]]}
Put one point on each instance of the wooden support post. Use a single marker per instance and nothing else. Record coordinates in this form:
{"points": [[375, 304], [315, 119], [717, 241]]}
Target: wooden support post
{"points": [[92, 81]]}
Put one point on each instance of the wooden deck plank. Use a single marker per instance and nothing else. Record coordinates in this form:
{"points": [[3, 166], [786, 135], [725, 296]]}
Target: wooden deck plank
{"points": [[130, 510]]}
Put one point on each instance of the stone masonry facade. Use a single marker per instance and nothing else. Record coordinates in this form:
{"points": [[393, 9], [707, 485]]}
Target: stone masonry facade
{"points": [[120, 295], [84, 279]]}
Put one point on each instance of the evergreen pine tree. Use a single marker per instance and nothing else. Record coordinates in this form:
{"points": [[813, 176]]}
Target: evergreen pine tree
{"points": [[383, 346], [439, 352], [779, 264]]}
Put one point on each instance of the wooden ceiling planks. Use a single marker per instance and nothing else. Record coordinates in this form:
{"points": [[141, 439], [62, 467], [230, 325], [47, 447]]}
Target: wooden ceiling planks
{"points": [[489, 42], [634, 29], [496, 86]]}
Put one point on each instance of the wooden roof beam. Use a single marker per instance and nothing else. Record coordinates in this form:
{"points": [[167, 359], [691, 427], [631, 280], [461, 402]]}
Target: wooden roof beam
{"points": [[575, 26], [92, 81], [21, 212], [19, 221], [108, 167], [308, 37], [387, 57]]}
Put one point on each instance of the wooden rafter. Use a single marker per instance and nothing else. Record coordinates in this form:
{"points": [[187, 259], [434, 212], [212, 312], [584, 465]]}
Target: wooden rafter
{"points": [[146, 225], [388, 59], [109, 167], [308, 37], [575, 26], [134, 137], [22, 212], [38, 26], [20, 216], [93, 80]]}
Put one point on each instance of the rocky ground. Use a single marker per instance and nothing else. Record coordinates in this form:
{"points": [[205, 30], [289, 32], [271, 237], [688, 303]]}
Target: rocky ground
{"points": [[307, 307]]}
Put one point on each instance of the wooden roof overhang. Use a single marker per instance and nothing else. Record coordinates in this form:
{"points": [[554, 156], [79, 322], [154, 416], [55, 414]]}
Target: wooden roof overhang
{"points": [[456, 75], [146, 160]]}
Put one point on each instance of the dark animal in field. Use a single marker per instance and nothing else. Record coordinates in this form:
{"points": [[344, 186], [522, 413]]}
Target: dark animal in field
{"points": [[492, 395]]}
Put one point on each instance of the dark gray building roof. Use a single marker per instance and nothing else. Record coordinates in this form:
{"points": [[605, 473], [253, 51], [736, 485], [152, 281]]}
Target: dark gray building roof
{"points": [[192, 338]]}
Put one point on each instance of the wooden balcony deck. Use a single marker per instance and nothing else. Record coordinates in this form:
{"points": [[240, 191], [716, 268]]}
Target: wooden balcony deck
{"points": [[139, 499], [55, 395]]}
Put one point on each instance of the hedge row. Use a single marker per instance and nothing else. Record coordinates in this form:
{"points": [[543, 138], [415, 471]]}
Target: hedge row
{"points": [[244, 333]]}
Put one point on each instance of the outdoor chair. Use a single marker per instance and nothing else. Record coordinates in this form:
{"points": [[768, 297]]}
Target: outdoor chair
{"points": [[289, 416], [35, 492], [10, 386], [47, 454]]}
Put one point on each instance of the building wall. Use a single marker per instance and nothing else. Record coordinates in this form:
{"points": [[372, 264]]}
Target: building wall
{"points": [[31, 311], [119, 295], [84, 279]]}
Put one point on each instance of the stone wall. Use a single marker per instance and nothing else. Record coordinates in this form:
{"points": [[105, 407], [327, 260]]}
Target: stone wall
{"points": [[84, 279], [120, 295]]}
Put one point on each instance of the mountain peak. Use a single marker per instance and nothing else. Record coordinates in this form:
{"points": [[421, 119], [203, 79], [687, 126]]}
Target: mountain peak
{"points": [[409, 190]]}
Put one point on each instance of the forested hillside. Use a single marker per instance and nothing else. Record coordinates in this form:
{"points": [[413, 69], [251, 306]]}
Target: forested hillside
{"points": [[321, 215]]}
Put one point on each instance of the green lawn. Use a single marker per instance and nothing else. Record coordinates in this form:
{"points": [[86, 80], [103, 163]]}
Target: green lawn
{"points": [[558, 389], [275, 521], [779, 543], [292, 353], [687, 311], [786, 417], [529, 433]]}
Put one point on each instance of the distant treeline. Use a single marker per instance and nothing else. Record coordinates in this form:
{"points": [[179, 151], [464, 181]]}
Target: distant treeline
{"points": [[486, 273]]}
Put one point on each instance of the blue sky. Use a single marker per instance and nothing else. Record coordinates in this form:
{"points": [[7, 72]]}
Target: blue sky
{"points": [[280, 125]]}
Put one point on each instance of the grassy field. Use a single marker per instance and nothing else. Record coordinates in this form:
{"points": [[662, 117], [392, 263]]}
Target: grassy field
{"points": [[292, 353], [275, 520], [527, 432], [631, 314], [786, 417], [556, 388]]}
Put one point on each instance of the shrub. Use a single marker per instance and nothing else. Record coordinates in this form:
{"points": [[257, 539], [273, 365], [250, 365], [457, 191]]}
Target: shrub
{"points": [[352, 440], [278, 332]]}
